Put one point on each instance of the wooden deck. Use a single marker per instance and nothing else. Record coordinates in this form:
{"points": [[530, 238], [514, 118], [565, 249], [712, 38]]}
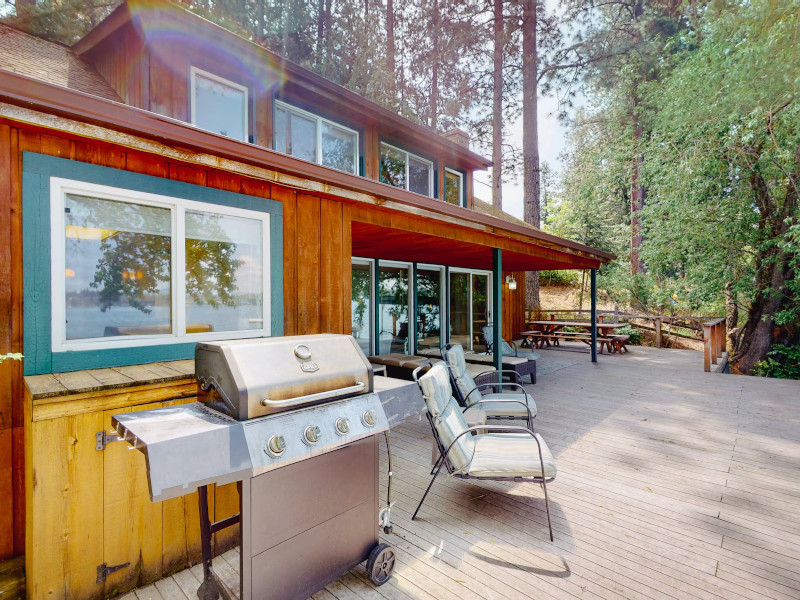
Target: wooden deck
{"points": [[672, 483]]}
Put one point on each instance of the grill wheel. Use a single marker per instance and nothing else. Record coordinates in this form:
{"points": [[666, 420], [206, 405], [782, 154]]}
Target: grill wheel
{"points": [[380, 564]]}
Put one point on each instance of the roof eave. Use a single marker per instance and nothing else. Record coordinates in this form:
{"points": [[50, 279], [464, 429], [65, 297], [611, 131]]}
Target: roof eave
{"points": [[64, 102]]}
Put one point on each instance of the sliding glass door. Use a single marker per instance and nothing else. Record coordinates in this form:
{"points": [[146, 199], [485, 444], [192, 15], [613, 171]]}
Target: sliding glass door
{"points": [[429, 307], [393, 308], [470, 308], [362, 305]]}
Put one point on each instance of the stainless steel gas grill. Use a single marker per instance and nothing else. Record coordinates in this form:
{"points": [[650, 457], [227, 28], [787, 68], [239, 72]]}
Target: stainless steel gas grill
{"points": [[296, 420]]}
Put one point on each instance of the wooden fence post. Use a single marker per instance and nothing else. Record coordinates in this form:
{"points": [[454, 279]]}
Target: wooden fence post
{"points": [[714, 344], [658, 333], [707, 348]]}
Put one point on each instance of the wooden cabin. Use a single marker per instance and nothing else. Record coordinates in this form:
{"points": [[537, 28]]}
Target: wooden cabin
{"points": [[165, 181]]}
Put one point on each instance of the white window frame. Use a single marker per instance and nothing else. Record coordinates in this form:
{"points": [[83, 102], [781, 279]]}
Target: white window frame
{"points": [[246, 120], [416, 157], [489, 298], [460, 186], [319, 121], [59, 188]]}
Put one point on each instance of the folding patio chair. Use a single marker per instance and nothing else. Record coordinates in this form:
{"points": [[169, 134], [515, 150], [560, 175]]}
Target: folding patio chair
{"points": [[509, 453], [505, 406], [509, 348]]}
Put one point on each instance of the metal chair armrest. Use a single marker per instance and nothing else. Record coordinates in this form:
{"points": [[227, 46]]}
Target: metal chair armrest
{"points": [[498, 400]]}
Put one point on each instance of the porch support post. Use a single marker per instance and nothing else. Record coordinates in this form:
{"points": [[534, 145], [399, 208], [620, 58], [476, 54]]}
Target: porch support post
{"points": [[594, 315], [444, 328], [377, 311], [412, 314], [497, 304]]}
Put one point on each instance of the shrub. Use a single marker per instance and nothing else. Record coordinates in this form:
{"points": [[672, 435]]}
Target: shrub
{"points": [[782, 362], [635, 335]]}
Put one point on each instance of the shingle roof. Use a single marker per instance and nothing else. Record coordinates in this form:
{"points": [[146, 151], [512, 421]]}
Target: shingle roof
{"points": [[28, 55], [489, 209]]}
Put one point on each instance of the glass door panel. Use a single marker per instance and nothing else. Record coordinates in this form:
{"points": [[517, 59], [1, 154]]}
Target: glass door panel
{"points": [[361, 306], [393, 316], [429, 303], [459, 309], [480, 310]]}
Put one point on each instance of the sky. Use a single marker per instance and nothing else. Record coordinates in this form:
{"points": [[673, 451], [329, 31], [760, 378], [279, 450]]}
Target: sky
{"points": [[552, 140]]}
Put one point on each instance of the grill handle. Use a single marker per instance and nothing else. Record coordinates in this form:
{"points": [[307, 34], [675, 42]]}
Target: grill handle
{"points": [[358, 387]]}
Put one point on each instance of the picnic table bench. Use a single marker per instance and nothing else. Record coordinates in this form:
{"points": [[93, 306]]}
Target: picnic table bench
{"points": [[547, 332]]}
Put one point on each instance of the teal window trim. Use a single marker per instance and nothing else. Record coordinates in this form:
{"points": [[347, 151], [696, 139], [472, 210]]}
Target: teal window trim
{"points": [[37, 169]]}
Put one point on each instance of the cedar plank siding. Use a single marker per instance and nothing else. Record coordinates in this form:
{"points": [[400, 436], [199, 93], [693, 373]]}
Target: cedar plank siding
{"points": [[116, 521]]}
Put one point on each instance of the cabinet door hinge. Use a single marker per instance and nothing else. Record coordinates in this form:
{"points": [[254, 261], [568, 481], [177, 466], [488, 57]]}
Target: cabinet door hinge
{"points": [[104, 439], [103, 571]]}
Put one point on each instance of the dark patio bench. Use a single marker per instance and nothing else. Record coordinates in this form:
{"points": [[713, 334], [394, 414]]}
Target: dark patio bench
{"points": [[401, 366], [520, 365]]}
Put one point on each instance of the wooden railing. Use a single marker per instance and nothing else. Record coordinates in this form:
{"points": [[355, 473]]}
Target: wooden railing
{"points": [[713, 342]]}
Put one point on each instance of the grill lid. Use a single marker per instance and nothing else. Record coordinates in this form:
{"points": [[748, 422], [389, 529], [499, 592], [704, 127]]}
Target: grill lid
{"points": [[251, 378]]}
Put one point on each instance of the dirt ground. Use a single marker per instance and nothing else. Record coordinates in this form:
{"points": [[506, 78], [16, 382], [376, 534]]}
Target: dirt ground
{"points": [[567, 297]]}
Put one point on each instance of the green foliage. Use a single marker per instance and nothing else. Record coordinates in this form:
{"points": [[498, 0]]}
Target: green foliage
{"points": [[547, 278], [635, 335], [782, 362]]}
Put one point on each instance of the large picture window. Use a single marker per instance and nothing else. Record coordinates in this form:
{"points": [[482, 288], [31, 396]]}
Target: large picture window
{"points": [[219, 105], [132, 268], [406, 171], [312, 138]]}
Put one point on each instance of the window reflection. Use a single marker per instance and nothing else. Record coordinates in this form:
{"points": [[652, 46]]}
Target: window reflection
{"points": [[118, 268], [429, 300], [452, 188], [393, 167], [219, 106], [419, 176], [361, 306], [224, 273], [393, 325], [338, 148]]}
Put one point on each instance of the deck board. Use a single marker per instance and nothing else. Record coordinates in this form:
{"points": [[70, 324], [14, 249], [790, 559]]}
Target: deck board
{"points": [[673, 484]]}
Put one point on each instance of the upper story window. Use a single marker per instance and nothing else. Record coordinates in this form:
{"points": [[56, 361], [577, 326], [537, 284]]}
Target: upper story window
{"points": [[134, 269], [307, 136], [406, 171], [454, 187], [219, 105]]}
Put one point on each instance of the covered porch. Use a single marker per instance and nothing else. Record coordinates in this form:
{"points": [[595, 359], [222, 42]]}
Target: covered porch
{"points": [[418, 285], [673, 483]]}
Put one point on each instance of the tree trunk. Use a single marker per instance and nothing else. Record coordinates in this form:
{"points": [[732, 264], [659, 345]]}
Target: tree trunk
{"points": [[391, 66], [260, 21], [320, 32], [731, 314], [328, 40], [497, 107], [530, 136], [434, 108], [758, 331]]}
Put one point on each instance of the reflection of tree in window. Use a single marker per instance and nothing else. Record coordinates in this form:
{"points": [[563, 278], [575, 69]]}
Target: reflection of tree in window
{"points": [[393, 168], [338, 148], [132, 265], [210, 263]]}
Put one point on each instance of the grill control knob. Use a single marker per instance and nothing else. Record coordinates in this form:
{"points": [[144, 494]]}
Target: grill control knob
{"points": [[342, 426], [368, 418], [275, 446], [311, 435]]}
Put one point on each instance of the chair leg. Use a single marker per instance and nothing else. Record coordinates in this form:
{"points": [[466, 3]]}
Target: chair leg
{"points": [[430, 485], [547, 508]]}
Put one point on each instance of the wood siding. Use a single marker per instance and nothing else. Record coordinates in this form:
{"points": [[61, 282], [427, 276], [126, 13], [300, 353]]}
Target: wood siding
{"points": [[73, 508], [513, 306]]}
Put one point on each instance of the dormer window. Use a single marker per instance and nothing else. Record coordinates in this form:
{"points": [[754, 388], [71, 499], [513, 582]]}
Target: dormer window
{"points": [[312, 138], [406, 171], [219, 105]]}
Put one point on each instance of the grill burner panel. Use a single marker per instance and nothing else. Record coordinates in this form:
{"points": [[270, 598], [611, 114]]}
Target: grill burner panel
{"points": [[191, 445]]}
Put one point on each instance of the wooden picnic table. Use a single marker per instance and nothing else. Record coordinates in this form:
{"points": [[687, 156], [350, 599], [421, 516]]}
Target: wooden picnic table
{"points": [[544, 332]]}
